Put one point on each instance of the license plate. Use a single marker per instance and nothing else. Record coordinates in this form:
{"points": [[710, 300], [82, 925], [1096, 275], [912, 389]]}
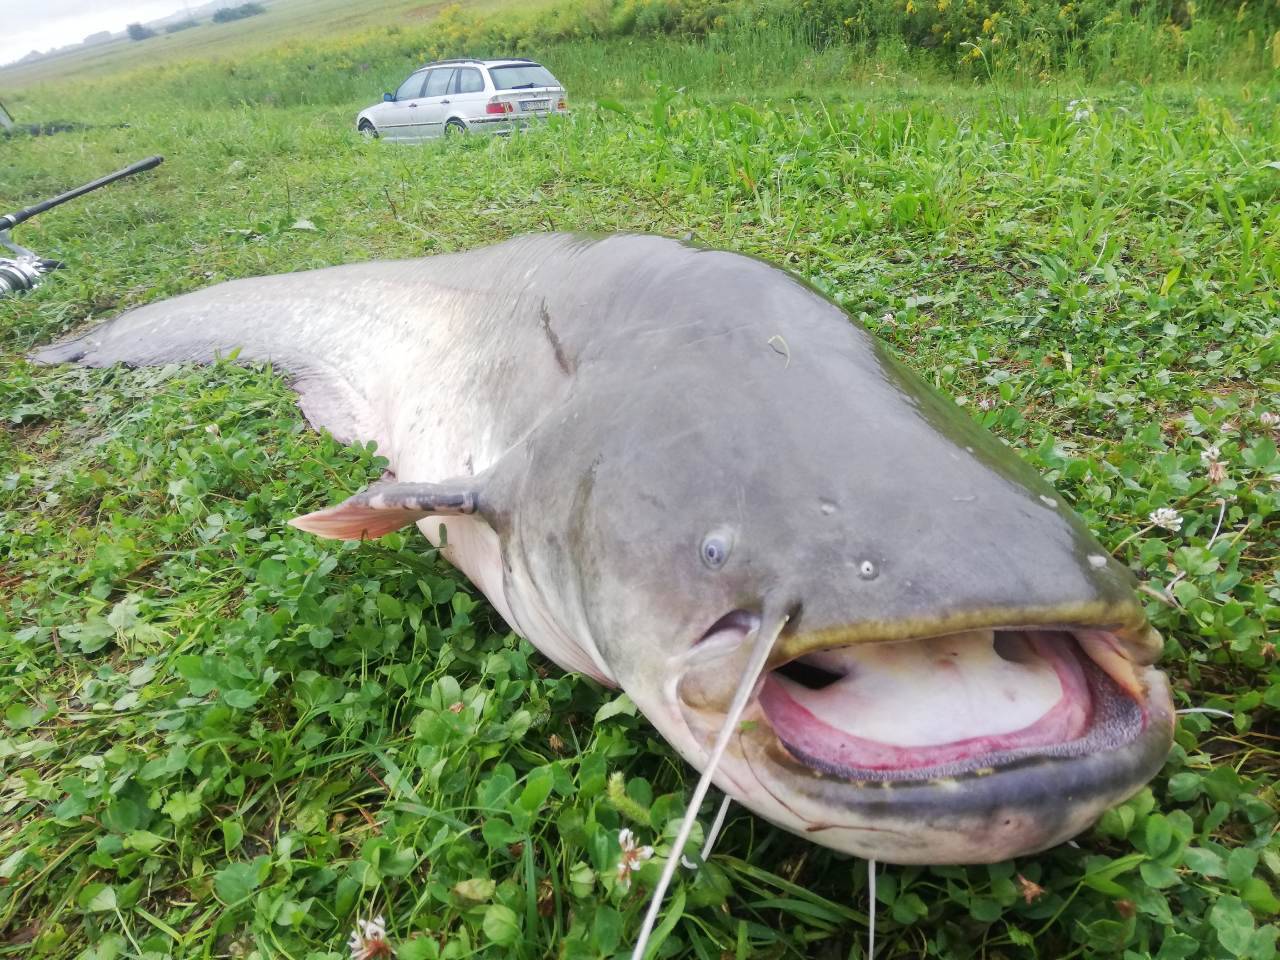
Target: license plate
{"points": [[529, 105]]}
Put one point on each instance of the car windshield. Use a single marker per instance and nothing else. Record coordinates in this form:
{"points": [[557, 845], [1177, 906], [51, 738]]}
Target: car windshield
{"points": [[522, 76]]}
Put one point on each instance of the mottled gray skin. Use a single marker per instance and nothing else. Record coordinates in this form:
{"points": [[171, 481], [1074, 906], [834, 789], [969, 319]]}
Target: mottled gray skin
{"points": [[610, 402]]}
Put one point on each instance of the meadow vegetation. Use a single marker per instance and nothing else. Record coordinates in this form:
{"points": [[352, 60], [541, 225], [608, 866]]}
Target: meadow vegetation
{"points": [[222, 737]]}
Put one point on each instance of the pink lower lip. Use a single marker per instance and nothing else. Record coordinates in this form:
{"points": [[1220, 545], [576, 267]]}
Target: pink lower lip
{"points": [[1067, 720]]}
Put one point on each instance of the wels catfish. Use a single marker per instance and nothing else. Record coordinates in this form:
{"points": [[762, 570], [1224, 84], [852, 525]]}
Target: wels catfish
{"points": [[648, 454]]}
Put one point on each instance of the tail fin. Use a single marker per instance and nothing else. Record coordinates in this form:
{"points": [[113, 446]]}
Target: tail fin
{"points": [[309, 324]]}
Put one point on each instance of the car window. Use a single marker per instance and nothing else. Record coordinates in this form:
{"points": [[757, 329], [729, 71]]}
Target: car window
{"points": [[437, 82], [524, 75], [468, 81], [411, 88]]}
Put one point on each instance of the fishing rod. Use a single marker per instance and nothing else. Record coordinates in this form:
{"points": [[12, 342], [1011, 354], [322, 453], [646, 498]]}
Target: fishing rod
{"points": [[26, 269]]}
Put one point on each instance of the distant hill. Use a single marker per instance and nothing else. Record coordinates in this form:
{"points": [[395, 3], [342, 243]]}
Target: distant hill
{"points": [[201, 13], [285, 21]]}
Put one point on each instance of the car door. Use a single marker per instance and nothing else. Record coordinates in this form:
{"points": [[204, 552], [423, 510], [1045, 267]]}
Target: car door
{"points": [[466, 97], [395, 118], [430, 118]]}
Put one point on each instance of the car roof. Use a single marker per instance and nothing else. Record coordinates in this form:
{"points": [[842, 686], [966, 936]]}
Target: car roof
{"points": [[508, 61]]}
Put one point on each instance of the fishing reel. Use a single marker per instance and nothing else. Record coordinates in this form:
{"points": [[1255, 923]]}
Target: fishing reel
{"points": [[24, 270]]}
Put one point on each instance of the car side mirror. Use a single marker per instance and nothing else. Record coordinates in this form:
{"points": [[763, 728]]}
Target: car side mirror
{"points": [[388, 97]]}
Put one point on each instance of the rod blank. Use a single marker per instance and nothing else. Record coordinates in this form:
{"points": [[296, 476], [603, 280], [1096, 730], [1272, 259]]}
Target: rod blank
{"points": [[9, 220]]}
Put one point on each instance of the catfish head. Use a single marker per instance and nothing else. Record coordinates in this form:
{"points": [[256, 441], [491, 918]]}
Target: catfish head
{"points": [[962, 673]]}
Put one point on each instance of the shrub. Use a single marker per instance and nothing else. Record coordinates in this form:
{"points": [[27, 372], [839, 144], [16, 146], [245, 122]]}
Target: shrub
{"points": [[227, 14]]}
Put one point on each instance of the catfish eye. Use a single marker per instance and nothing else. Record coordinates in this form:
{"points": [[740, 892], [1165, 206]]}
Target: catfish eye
{"points": [[715, 550]]}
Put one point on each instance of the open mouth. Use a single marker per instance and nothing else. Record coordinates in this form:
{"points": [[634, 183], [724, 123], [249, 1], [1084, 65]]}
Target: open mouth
{"points": [[955, 704]]}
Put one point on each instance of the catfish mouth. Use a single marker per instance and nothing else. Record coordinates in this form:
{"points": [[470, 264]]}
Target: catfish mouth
{"points": [[940, 707], [956, 704]]}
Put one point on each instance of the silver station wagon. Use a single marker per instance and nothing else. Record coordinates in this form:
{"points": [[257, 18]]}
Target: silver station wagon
{"points": [[461, 96]]}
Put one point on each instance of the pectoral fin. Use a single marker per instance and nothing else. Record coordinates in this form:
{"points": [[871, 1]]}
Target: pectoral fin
{"points": [[386, 507]]}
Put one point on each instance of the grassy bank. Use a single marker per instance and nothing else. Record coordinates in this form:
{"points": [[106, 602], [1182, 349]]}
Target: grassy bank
{"points": [[337, 54], [220, 737]]}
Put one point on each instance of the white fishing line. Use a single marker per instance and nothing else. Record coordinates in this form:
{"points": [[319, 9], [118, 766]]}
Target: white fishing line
{"points": [[871, 909], [1209, 710], [746, 687]]}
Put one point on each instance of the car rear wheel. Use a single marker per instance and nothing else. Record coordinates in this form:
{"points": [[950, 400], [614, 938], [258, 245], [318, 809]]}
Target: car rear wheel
{"points": [[454, 127], [368, 130]]}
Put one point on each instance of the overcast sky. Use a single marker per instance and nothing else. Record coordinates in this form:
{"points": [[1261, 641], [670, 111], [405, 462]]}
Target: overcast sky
{"points": [[27, 25]]}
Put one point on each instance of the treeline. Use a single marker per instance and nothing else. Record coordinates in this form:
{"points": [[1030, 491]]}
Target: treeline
{"points": [[138, 31], [227, 14]]}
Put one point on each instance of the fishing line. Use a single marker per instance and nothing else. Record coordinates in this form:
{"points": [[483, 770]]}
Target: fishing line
{"points": [[746, 687]]}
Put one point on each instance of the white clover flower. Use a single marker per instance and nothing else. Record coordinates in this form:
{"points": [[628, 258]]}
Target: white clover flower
{"points": [[1080, 110], [632, 857], [1214, 464], [1269, 419], [984, 403], [1166, 518], [369, 940]]}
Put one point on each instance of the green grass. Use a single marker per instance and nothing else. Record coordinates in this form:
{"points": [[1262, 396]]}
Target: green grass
{"points": [[222, 737]]}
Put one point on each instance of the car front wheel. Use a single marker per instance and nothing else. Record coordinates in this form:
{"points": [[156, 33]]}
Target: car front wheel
{"points": [[368, 130]]}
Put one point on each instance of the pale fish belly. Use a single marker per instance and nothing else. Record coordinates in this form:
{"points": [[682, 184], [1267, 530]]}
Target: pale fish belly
{"points": [[474, 548]]}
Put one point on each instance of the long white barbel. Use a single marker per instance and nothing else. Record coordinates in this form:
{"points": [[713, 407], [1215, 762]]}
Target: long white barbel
{"points": [[755, 666], [871, 909]]}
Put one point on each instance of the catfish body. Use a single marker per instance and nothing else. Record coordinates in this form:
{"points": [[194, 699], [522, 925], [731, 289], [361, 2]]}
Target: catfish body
{"points": [[643, 451]]}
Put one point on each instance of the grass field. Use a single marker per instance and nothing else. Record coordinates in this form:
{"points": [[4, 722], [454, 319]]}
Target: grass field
{"points": [[220, 737]]}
